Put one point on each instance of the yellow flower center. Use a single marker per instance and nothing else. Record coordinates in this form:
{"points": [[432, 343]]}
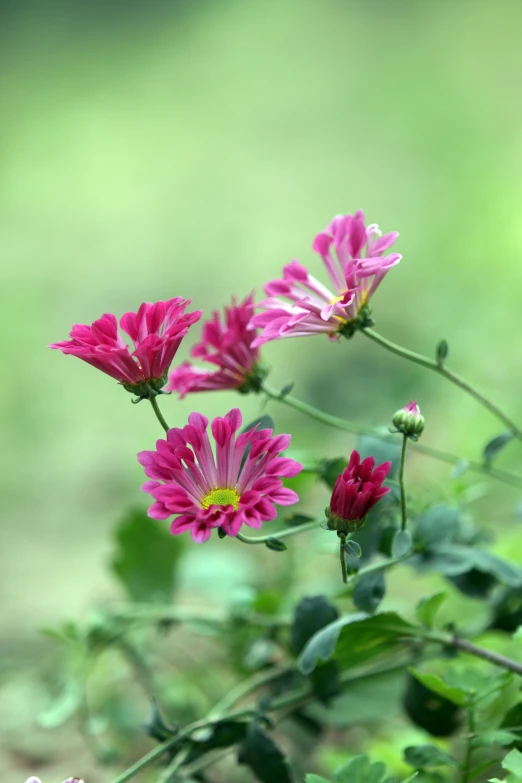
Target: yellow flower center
{"points": [[221, 497]]}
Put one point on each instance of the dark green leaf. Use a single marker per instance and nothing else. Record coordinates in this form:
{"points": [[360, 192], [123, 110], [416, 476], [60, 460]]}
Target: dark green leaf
{"points": [[382, 451], [441, 353], [361, 770], [458, 696], [262, 755], [275, 545], [494, 737], [508, 610], [326, 682], [402, 542], [474, 583], [425, 756], [439, 524], [146, 558], [433, 713], [428, 607], [315, 779], [285, 391], [353, 638], [224, 734], [311, 614], [492, 449], [369, 591], [295, 520]]}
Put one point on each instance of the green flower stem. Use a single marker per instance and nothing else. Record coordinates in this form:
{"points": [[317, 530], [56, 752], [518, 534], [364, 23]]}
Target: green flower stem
{"points": [[356, 429], [342, 558], [155, 407], [431, 364], [291, 531], [404, 514], [466, 765]]}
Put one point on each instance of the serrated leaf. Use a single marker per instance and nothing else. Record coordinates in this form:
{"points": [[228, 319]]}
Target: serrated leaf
{"points": [[402, 542], [381, 450], [494, 737], [369, 591], [262, 755], [426, 756], [427, 608], [495, 446], [275, 545], [441, 352], [146, 558], [360, 770], [458, 696], [354, 639]]}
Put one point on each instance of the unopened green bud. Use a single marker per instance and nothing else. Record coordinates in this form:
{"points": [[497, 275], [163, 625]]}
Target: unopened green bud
{"points": [[409, 420]]}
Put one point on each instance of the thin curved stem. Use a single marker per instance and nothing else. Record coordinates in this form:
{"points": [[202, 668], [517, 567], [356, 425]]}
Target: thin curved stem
{"points": [[404, 514], [381, 565], [155, 407], [342, 557], [291, 531], [356, 429], [431, 364]]}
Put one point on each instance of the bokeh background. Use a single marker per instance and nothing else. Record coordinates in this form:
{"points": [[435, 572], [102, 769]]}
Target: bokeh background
{"points": [[158, 149]]}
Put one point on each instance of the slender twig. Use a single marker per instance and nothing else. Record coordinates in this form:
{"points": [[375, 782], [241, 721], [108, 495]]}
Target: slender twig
{"points": [[291, 531], [441, 369], [485, 654], [155, 407], [404, 515], [357, 429]]}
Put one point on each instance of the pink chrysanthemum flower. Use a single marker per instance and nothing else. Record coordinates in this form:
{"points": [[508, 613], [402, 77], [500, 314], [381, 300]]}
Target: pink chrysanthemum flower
{"points": [[238, 486], [300, 305], [355, 493], [156, 331], [227, 345]]}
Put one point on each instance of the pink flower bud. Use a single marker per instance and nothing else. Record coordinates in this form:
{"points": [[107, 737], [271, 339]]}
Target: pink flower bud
{"points": [[356, 491]]}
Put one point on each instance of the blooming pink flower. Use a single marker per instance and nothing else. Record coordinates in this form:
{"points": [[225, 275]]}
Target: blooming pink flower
{"points": [[356, 491], [227, 345], [300, 305], [239, 485], [156, 331]]}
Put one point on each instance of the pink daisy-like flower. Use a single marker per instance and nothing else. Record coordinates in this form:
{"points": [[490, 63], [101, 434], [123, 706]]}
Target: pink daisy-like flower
{"points": [[355, 493], [239, 485], [226, 344], [300, 305], [156, 331]]}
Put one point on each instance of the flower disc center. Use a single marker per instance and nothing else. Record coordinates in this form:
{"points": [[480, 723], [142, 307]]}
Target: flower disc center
{"points": [[221, 497]]}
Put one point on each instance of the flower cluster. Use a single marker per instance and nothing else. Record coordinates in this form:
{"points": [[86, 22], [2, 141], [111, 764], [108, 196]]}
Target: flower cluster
{"points": [[241, 480], [355, 493], [237, 486], [156, 331], [300, 305]]}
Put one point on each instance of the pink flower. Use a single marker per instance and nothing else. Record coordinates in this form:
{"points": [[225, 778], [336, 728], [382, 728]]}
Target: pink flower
{"points": [[227, 345], [300, 305], [355, 493], [156, 331], [239, 485], [412, 407]]}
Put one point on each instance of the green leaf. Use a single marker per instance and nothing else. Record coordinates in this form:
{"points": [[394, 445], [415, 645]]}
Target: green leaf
{"points": [[224, 734], [458, 696], [315, 779], [62, 707], [494, 737], [433, 713], [369, 591], [146, 558], [453, 559], [492, 449], [354, 638], [312, 613], [275, 545], [381, 450], [441, 352], [410, 778], [285, 391], [425, 756], [460, 468], [513, 763], [295, 520], [440, 523], [427, 608], [262, 755], [360, 770], [402, 542]]}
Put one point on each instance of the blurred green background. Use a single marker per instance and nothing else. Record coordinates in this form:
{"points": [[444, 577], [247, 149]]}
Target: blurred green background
{"points": [[158, 149]]}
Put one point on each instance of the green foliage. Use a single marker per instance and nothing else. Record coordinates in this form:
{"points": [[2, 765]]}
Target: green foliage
{"points": [[381, 450], [426, 756], [512, 764], [359, 769], [146, 558], [258, 752], [427, 608], [402, 542], [275, 545], [441, 352], [429, 710], [495, 446], [369, 591]]}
